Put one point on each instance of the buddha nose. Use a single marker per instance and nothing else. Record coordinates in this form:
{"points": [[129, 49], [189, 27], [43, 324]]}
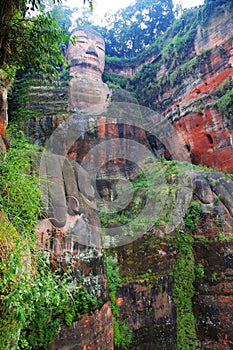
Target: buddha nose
{"points": [[92, 51]]}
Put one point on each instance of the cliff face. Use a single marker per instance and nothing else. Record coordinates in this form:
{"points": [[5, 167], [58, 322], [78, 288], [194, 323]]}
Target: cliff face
{"points": [[190, 84], [93, 331], [148, 269], [146, 302], [206, 130]]}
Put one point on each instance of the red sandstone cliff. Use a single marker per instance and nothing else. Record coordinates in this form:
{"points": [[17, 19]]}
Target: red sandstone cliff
{"points": [[188, 86]]}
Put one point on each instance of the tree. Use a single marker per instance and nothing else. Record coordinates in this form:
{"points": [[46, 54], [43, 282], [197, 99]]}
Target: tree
{"points": [[33, 37], [132, 29], [84, 16], [30, 35], [62, 15]]}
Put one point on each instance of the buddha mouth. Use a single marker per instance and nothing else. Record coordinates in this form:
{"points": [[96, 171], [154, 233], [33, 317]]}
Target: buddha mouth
{"points": [[92, 57], [87, 61]]}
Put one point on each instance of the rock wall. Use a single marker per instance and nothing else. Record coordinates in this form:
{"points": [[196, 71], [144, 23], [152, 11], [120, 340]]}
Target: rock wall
{"points": [[208, 132], [147, 267], [48, 98], [64, 250], [92, 332], [188, 89]]}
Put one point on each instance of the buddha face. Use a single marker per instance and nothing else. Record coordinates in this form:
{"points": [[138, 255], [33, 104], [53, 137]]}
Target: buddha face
{"points": [[89, 50]]}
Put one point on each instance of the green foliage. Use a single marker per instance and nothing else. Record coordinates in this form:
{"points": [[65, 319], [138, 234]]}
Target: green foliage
{"points": [[133, 28], [200, 270], [152, 185], [18, 98], [34, 38], [114, 80], [184, 276], [7, 76], [84, 17], [52, 297], [122, 335], [225, 104], [37, 303], [213, 6], [193, 215], [112, 270], [20, 193], [217, 199], [62, 16], [214, 277], [173, 51]]}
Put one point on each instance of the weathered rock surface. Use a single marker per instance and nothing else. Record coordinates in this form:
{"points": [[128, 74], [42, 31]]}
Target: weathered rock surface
{"points": [[147, 266], [89, 332], [188, 94], [208, 133]]}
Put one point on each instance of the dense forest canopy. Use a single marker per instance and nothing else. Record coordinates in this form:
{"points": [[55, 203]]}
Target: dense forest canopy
{"points": [[133, 28]]}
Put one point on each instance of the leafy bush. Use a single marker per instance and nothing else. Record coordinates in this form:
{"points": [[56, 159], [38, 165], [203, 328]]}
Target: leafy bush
{"points": [[225, 104], [20, 193]]}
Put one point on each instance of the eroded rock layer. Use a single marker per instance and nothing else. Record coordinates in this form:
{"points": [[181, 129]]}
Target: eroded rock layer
{"points": [[146, 297], [190, 84]]}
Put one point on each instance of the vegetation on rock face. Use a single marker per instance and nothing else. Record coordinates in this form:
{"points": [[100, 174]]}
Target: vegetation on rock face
{"points": [[221, 98], [114, 80], [153, 185], [225, 99], [122, 335], [18, 98], [172, 53], [184, 276], [25, 97], [20, 192]]}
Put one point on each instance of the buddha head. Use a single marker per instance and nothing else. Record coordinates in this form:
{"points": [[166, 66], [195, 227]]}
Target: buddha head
{"points": [[86, 53], [88, 50]]}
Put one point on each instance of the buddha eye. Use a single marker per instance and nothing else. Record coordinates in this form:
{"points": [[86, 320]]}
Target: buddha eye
{"points": [[100, 48], [81, 40]]}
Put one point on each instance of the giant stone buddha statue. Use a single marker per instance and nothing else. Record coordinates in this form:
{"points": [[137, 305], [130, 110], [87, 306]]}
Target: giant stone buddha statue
{"points": [[87, 60]]}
